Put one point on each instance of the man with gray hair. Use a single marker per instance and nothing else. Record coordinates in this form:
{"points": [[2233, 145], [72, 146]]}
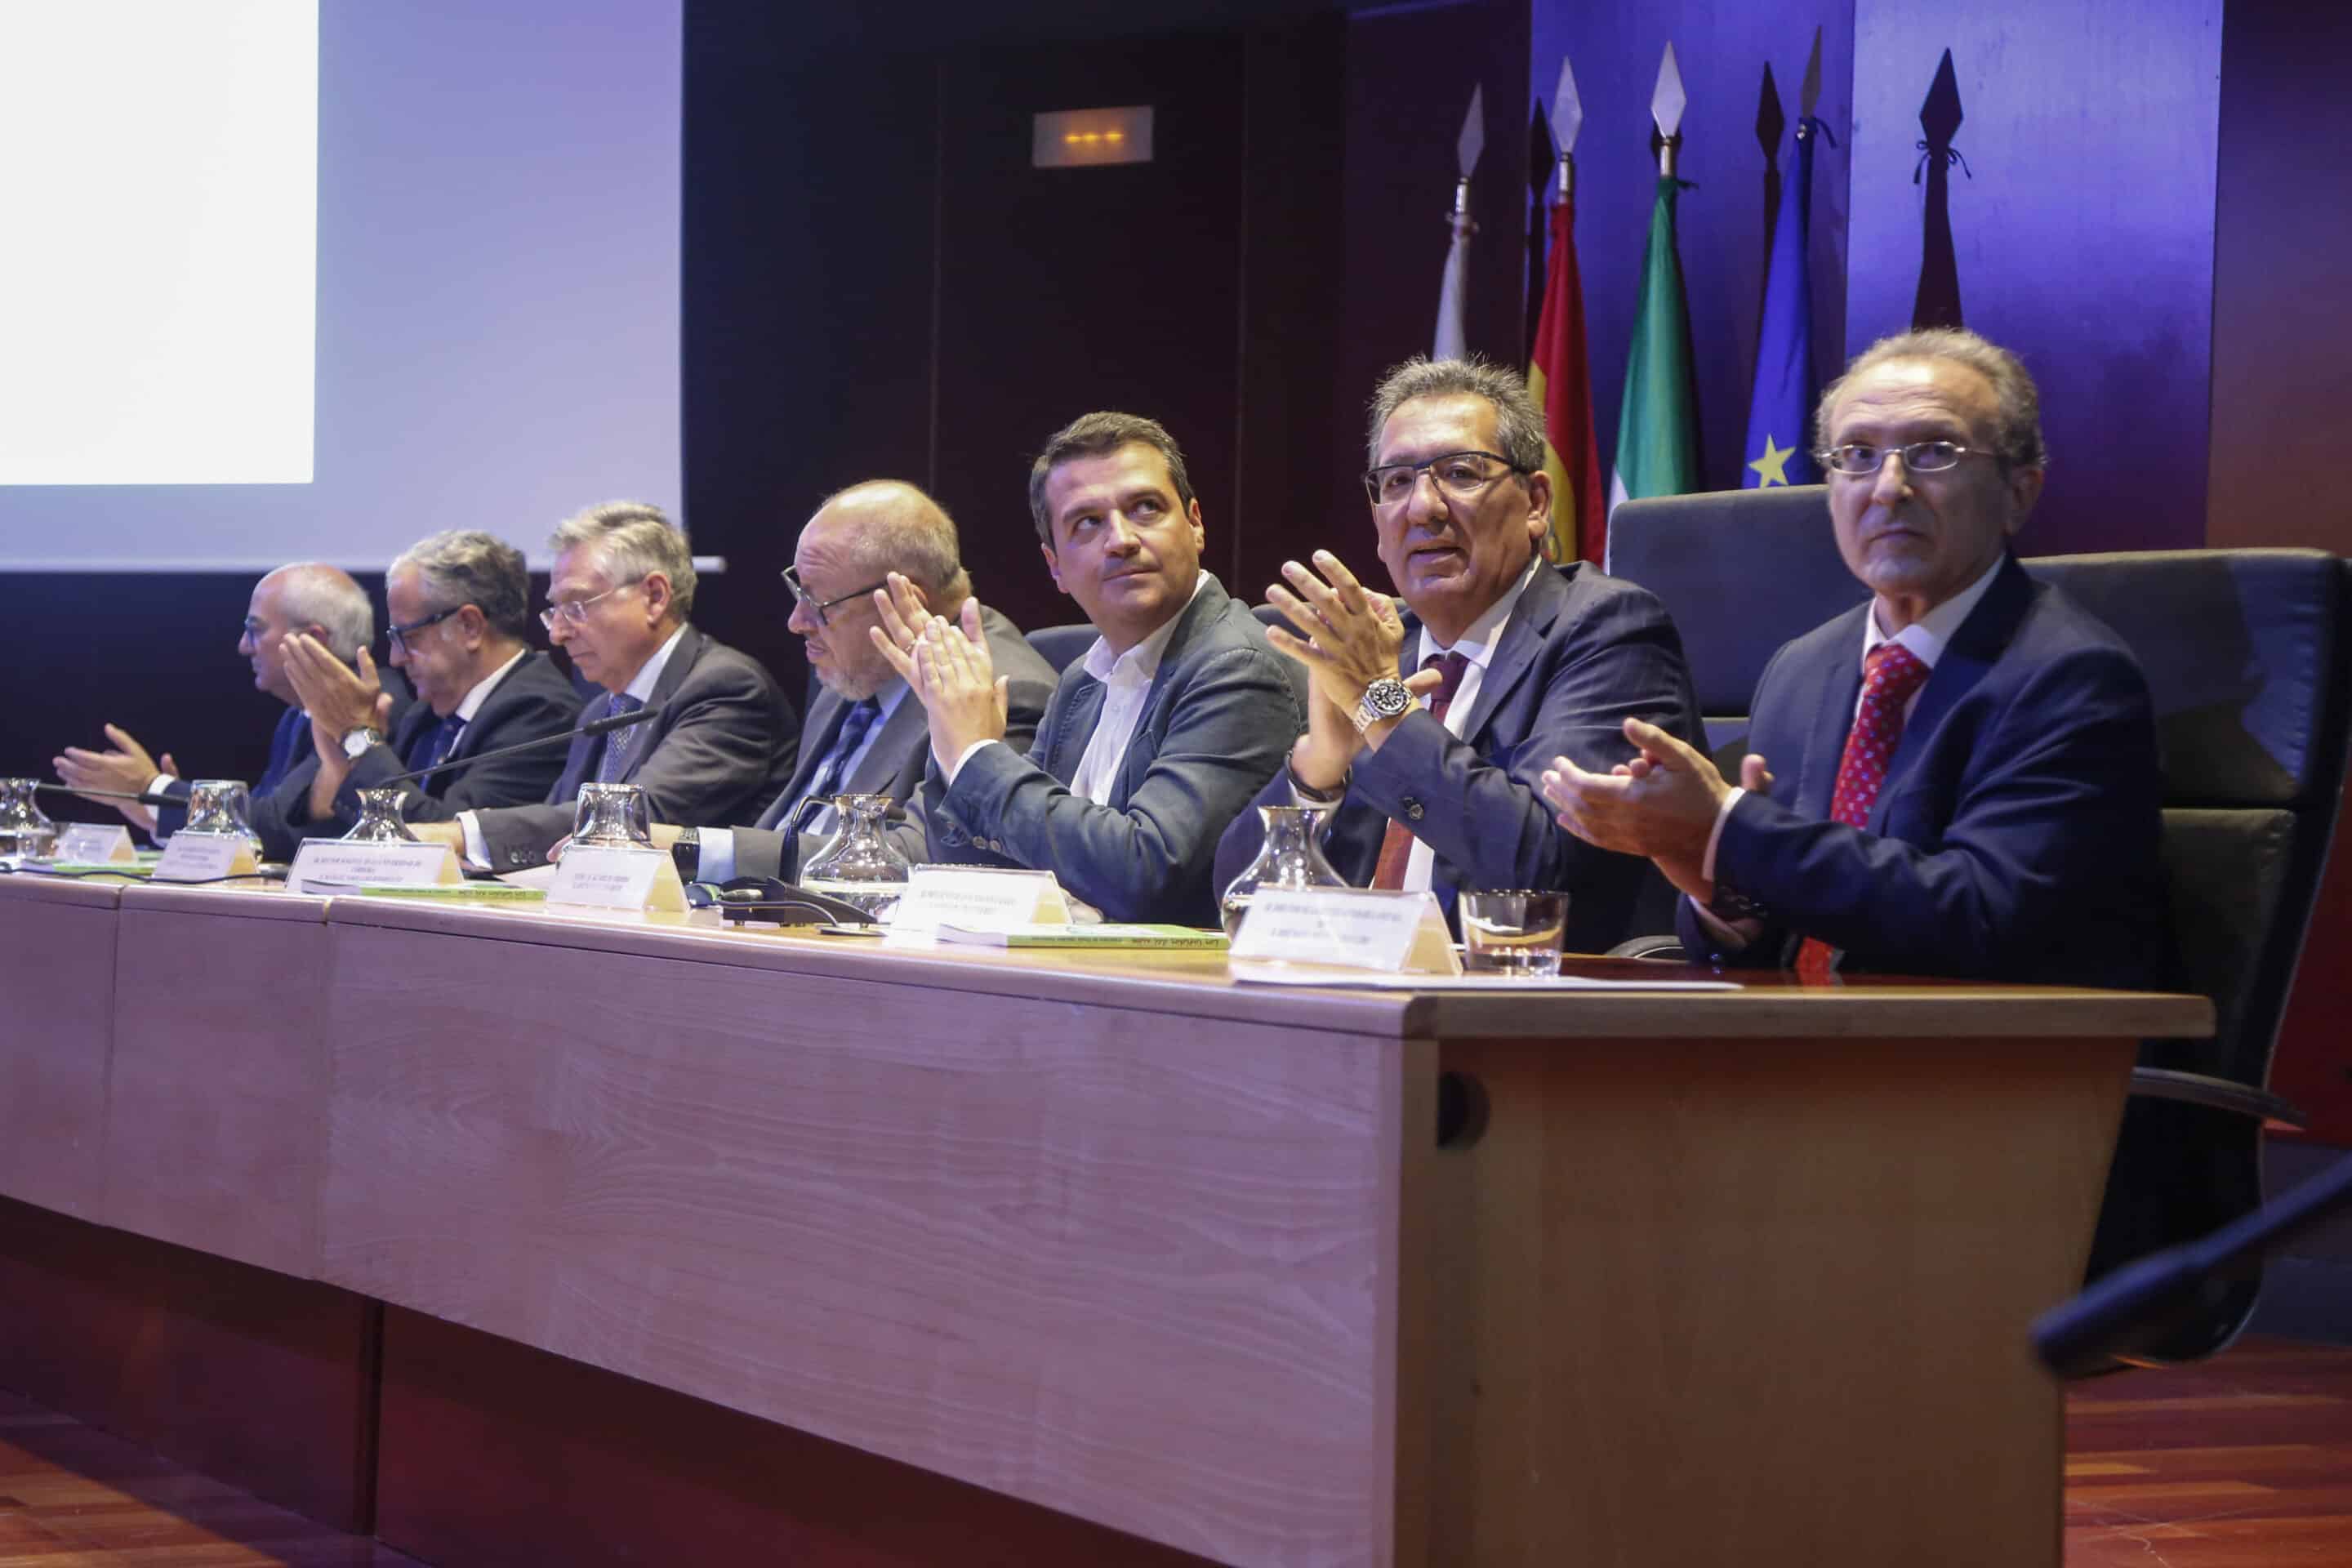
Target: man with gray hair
{"points": [[460, 606], [1957, 778], [306, 599], [865, 735], [1427, 730], [722, 739]]}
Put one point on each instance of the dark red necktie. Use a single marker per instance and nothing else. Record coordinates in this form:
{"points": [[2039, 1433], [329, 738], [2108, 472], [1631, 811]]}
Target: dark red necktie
{"points": [[1890, 675], [1396, 846]]}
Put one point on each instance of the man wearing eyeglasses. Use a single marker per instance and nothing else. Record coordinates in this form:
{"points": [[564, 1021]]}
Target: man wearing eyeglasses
{"points": [[307, 600], [1957, 778], [867, 734], [1427, 730], [722, 739], [460, 604], [1153, 739]]}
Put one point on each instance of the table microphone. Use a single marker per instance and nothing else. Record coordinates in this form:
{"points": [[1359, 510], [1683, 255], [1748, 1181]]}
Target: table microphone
{"points": [[141, 796], [593, 727]]}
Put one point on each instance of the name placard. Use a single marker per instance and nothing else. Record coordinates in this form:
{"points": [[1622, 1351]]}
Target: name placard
{"points": [[609, 878], [205, 857], [337, 865], [1352, 928], [978, 899], [95, 844]]}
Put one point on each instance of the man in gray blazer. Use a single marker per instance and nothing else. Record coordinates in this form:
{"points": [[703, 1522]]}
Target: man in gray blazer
{"points": [[866, 735], [722, 739], [1152, 741], [1428, 731]]}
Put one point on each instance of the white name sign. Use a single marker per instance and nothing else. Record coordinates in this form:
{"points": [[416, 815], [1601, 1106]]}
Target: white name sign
{"points": [[205, 857], [337, 865], [1353, 928], [92, 844], [617, 879], [978, 899]]}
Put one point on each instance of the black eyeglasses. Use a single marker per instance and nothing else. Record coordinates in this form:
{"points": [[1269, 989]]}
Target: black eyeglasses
{"points": [[1462, 476], [400, 634], [815, 606]]}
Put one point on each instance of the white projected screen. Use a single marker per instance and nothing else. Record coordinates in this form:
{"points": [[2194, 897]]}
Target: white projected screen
{"points": [[293, 281]]}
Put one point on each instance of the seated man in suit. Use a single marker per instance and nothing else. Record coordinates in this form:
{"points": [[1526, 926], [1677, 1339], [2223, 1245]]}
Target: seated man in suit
{"points": [[1427, 733], [1957, 778], [864, 735], [460, 632], [1153, 741], [721, 742], [309, 599]]}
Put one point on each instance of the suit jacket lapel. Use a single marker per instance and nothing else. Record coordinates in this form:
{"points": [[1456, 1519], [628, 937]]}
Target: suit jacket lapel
{"points": [[642, 738], [1076, 728], [878, 770], [1965, 660], [1523, 635], [1836, 688], [825, 719]]}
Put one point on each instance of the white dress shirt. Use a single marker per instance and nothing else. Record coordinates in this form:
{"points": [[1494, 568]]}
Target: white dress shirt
{"points": [[1477, 644], [1126, 681]]}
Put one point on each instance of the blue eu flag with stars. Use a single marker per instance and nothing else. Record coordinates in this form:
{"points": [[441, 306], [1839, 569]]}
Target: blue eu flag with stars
{"points": [[1779, 411]]}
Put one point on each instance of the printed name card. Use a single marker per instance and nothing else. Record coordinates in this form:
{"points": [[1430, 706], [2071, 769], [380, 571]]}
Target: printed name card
{"points": [[978, 899], [616, 878], [93, 844], [339, 865], [205, 857], [1353, 928]]}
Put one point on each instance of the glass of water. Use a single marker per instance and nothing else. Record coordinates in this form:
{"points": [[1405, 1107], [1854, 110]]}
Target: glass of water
{"points": [[1512, 931]]}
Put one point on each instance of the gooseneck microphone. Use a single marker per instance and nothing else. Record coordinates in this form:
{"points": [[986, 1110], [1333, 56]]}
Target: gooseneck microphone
{"points": [[593, 727], [141, 796]]}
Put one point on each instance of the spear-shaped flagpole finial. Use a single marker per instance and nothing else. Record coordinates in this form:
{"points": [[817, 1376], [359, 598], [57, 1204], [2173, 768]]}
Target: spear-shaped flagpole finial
{"points": [[1567, 119], [1472, 142], [1810, 93], [1667, 105]]}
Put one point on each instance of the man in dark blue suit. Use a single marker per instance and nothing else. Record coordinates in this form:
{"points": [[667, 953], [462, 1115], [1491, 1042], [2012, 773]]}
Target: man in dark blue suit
{"points": [[1152, 741], [1427, 730], [1960, 778], [460, 606], [306, 599]]}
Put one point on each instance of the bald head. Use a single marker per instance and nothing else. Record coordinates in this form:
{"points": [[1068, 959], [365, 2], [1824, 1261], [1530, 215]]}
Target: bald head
{"points": [[857, 537], [309, 596]]}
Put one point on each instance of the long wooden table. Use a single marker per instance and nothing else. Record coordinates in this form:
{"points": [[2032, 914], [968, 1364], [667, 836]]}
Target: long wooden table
{"points": [[1112, 1234]]}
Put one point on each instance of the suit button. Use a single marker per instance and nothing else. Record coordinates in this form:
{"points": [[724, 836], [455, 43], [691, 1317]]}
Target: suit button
{"points": [[1413, 810]]}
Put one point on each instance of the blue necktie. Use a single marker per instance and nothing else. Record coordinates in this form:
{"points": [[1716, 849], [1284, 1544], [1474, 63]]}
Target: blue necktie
{"points": [[852, 735], [292, 725], [438, 742], [617, 743]]}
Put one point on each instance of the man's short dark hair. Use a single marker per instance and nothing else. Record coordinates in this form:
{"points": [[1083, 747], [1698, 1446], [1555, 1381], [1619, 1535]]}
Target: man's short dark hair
{"points": [[1099, 436]]}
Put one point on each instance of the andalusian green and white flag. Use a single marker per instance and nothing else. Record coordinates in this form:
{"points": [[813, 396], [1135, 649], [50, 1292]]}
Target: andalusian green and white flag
{"points": [[1657, 424]]}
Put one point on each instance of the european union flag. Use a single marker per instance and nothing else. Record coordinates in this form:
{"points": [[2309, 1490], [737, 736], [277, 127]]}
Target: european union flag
{"points": [[1780, 409]]}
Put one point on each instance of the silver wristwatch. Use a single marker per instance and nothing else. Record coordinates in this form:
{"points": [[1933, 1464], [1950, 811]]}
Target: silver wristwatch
{"points": [[357, 742], [1385, 698]]}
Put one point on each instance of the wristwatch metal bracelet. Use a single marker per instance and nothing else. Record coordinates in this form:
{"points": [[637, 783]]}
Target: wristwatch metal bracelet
{"points": [[1388, 697], [357, 742]]}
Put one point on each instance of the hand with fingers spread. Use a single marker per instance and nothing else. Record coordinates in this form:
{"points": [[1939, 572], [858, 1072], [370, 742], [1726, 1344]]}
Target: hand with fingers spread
{"points": [[1352, 635], [337, 700], [1661, 805], [126, 768], [947, 667]]}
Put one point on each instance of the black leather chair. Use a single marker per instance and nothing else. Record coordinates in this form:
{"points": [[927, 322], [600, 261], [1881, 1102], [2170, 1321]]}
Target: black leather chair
{"points": [[1062, 646], [2248, 658]]}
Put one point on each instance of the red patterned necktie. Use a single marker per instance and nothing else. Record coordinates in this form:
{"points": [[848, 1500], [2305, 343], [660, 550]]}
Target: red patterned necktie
{"points": [[1890, 675], [1396, 845]]}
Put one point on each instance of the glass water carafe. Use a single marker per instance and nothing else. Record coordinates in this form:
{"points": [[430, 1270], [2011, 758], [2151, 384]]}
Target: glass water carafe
{"points": [[25, 828], [1291, 857], [381, 821], [859, 865], [224, 806], [613, 816]]}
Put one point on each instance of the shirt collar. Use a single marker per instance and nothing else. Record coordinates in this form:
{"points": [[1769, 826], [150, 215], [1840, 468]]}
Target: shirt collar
{"points": [[641, 685], [1141, 662], [1926, 637], [471, 703], [1478, 641]]}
